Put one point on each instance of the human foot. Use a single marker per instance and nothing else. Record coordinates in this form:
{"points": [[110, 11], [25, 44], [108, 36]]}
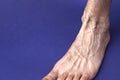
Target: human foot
{"points": [[83, 59]]}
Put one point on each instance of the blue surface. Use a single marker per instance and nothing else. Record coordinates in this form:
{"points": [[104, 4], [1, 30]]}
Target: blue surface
{"points": [[35, 34]]}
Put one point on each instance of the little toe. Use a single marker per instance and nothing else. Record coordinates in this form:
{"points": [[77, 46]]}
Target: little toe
{"points": [[51, 76], [70, 77], [63, 76], [84, 78]]}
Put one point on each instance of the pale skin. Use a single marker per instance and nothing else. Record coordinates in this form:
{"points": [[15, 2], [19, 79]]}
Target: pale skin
{"points": [[83, 59]]}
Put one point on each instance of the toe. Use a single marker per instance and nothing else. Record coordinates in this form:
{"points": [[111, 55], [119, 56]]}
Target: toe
{"points": [[84, 78], [51, 76], [70, 77], [77, 77], [63, 76]]}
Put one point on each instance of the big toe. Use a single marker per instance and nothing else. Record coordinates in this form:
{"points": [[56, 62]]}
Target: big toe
{"points": [[51, 76], [63, 76]]}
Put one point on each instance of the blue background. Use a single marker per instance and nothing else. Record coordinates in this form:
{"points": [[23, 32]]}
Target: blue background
{"points": [[35, 34]]}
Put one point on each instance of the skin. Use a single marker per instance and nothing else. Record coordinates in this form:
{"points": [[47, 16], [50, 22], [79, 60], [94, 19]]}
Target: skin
{"points": [[83, 59]]}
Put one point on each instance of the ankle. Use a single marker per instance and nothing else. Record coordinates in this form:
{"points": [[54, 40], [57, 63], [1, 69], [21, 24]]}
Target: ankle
{"points": [[95, 23]]}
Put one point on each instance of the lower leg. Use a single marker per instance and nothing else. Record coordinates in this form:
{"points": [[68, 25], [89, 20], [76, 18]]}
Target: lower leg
{"points": [[83, 59]]}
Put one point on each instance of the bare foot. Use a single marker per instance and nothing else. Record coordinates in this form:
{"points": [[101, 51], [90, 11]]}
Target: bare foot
{"points": [[83, 59]]}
